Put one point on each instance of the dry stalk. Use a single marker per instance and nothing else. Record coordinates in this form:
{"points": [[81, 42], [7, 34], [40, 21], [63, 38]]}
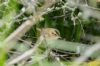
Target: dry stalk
{"points": [[23, 29], [27, 54], [86, 54], [19, 32]]}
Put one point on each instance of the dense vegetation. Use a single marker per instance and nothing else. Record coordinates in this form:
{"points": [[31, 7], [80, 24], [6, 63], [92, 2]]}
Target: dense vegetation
{"points": [[49, 32]]}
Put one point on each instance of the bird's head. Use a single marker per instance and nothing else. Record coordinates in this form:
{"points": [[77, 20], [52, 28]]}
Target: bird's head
{"points": [[50, 33]]}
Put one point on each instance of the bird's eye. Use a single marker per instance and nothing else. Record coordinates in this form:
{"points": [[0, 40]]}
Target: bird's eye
{"points": [[54, 33]]}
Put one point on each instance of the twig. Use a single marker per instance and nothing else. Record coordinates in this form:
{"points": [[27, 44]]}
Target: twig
{"points": [[57, 59], [27, 25], [86, 54], [27, 54], [44, 56], [23, 29]]}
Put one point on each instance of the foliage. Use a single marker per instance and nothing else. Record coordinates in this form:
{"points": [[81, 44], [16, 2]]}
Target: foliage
{"points": [[78, 30]]}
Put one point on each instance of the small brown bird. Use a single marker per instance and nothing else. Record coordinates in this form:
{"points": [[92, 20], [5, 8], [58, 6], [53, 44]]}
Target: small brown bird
{"points": [[50, 33]]}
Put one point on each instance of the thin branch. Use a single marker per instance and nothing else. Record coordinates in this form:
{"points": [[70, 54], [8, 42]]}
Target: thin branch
{"points": [[86, 54], [27, 54], [19, 32]]}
